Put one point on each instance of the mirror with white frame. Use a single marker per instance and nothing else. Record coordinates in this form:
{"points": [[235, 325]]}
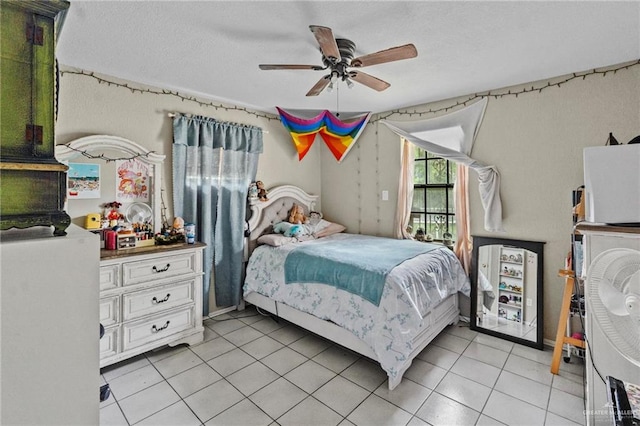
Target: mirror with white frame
{"points": [[105, 150], [506, 289]]}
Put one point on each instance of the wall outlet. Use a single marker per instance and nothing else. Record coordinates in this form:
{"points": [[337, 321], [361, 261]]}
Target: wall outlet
{"points": [[529, 301], [385, 195]]}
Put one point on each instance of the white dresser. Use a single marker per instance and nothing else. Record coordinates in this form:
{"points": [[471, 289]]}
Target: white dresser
{"points": [[601, 357], [149, 297]]}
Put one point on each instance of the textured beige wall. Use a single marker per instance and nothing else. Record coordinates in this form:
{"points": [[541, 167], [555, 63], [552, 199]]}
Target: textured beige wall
{"points": [[535, 140]]}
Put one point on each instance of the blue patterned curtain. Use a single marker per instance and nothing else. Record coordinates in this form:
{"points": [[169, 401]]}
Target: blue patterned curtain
{"points": [[213, 164]]}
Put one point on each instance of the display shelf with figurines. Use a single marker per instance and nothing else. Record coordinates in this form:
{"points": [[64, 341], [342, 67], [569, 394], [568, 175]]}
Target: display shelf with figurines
{"points": [[511, 286]]}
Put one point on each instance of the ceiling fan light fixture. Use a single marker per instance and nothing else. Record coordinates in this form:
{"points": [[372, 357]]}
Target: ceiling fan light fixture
{"points": [[330, 87], [349, 83]]}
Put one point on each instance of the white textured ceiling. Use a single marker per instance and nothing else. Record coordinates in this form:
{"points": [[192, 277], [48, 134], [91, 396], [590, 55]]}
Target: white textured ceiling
{"points": [[213, 48]]}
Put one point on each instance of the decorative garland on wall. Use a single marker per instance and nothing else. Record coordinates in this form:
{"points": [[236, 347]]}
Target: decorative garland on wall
{"points": [[105, 158], [172, 93], [490, 94], [496, 94]]}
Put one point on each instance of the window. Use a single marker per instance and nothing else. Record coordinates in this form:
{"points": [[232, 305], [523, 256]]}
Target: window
{"points": [[433, 208]]}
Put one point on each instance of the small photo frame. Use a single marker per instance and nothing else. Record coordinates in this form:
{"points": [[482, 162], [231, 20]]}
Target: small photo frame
{"points": [[83, 181]]}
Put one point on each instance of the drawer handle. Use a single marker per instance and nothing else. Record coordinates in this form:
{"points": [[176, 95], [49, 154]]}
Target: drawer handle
{"points": [[156, 270], [155, 329], [156, 301]]}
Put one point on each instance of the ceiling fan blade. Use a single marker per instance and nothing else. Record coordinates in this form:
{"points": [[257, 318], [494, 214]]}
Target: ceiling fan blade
{"points": [[290, 67], [320, 85], [369, 80], [327, 42], [393, 54]]}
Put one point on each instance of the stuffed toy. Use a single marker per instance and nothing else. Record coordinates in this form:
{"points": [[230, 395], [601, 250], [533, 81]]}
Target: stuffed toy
{"points": [[262, 192], [288, 229], [296, 215]]}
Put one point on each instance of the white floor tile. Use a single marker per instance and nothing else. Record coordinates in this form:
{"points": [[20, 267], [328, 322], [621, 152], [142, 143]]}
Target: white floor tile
{"points": [[461, 330], [230, 362], [278, 397], [555, 420], [476, 370], [417, 421], [243, 335], [425, 374], [310, 345], [213, 400], [570, 383], [165, 352], [336, 358], [488, 421], [262, 347], [147, 402], [512, 411], [283, 360], [209, 334], [212, 348], [541, 356], [251, 378], [494, 342], [566, 405], [407, 395], [439, 410], [529, 369], [177, 363], [310, 376], [135, 381], [244, 413], [176, 414], [267, 325], [194, 379], [288, 334], [451, 342], [341, 395], [310, 412], [376, 411], [224, 326], [524, 389], [464, 391], [127, 366], [486, 354], [439, 356], [112, 416], [365, 373]]}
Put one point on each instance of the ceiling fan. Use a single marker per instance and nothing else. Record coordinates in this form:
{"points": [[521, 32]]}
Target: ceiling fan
{"points": [[337, 56]]}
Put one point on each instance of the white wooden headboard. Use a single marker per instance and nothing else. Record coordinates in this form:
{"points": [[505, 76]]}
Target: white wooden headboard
{"points": [[276, 209]]}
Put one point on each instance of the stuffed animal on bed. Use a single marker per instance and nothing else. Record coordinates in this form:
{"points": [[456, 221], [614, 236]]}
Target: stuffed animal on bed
{"points": [[296, 215], [288, 229]]}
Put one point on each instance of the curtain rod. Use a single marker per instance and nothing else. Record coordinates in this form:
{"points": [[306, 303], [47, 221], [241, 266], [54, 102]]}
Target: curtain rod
{"points": [[175, 114]]}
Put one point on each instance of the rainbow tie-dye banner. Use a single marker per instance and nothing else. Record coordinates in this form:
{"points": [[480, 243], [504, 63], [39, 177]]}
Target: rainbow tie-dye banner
{"points": [[340, 136]]}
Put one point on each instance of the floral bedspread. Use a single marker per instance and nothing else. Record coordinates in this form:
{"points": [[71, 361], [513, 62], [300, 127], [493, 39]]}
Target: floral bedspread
{"points": [[412, 290]]}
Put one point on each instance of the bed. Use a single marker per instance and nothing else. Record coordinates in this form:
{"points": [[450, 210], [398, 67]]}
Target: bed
{"points": [[417, 299]]}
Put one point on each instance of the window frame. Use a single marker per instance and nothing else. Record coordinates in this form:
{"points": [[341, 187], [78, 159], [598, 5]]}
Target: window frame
{"points": [[449, 194]]}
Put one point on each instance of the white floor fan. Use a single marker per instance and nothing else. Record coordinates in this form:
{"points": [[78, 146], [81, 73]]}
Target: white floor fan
{"points": [[614, 303]]}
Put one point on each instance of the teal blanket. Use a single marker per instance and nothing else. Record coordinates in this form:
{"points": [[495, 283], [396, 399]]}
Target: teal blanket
{"points": [[359, 264]]}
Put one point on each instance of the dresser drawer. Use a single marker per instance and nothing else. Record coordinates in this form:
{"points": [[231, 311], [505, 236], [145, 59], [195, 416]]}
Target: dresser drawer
{"points": [[109, 310], [145, 331], [109, 277], [158, 268], [109, 342], [157, 299]]}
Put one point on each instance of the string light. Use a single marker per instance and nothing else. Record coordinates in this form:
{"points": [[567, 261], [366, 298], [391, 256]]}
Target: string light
{"points": [[108, 159], [497, 94], [164, 92]]}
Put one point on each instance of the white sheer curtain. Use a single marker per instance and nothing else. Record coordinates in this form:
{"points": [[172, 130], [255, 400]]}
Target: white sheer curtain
{"points": [[451, 136], [405, 192]]}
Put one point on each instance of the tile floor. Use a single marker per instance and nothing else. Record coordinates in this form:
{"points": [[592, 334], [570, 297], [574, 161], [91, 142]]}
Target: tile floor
{"points": [[252, 370]]}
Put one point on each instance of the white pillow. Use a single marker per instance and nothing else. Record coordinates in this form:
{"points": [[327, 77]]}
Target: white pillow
{"points": [[275, 240], [328, 228]]}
